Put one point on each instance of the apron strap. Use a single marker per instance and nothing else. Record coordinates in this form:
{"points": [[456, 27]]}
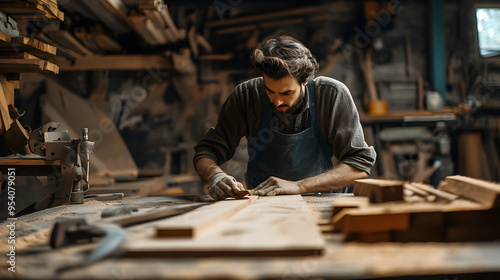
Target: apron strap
{"points": [[314, 118]]}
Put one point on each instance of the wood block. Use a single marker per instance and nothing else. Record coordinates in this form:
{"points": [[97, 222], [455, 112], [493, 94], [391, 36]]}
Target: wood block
{"points": [[271, 226], [370, 219], [379, 190], [193, 223], [484, 192]]}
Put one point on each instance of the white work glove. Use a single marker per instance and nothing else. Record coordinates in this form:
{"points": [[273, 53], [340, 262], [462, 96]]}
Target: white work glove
{"points": [[222, 186]]}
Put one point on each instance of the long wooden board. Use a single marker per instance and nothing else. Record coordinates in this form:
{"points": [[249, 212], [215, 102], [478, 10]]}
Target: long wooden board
{"points": [[271, 226], [485, 192], [197, 221]]}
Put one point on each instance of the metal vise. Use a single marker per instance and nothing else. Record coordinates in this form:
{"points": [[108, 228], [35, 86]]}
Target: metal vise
{"points": [[53, 142]]}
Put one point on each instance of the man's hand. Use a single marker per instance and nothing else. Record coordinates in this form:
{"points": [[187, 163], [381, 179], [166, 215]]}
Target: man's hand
{"points": [[223, 186], [274, 185]]}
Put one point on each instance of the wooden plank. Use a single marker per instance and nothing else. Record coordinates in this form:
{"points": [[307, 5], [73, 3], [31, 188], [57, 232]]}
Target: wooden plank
{"points": [[395, 216], [4, 38], [35, 9], [33, 46], [379, 190], [139, 24], [27, 65], [438, 193], [106, 16], [484, 192], [119, 62], [170, 23], [416, 190], [193, 223], [212, 57], [4, 111], [271, 226], [60, 49], [356, 220]]}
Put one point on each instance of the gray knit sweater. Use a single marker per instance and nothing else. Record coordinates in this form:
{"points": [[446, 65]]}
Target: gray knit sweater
{"points": [[339, 121]]}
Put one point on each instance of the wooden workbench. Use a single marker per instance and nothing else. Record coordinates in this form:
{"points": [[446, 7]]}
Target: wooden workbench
{"points": [[340, 260]]}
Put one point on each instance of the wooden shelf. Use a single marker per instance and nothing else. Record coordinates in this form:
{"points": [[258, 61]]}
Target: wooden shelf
{"points": [[119, 62], [446, 114]]}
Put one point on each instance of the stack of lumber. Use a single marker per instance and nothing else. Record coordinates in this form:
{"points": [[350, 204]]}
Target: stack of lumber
{"points": [[22, 54], [248, 227], [461, 209], [32, 10], [154, 23], [284, 17], [97, 40], [67, 45]]}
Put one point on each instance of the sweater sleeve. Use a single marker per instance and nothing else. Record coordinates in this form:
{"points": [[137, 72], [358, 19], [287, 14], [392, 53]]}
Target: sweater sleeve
{"points": [[219, 143], [343, 128]]}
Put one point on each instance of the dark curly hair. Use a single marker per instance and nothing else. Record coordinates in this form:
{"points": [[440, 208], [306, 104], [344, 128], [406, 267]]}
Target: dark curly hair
{"points": [[284, 56]]}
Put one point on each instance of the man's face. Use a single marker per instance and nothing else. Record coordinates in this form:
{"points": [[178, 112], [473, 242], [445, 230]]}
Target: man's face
{"points": [[283, 93]]}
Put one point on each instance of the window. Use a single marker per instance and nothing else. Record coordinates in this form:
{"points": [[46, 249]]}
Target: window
{"points": [[488, 31]]}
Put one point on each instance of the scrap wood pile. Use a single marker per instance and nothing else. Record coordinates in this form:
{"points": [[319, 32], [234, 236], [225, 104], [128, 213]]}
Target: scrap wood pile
{"points": [[460, 209]]}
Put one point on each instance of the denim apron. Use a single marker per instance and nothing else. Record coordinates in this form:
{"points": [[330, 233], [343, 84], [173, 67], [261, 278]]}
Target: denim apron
{"points": [[287, 156]]}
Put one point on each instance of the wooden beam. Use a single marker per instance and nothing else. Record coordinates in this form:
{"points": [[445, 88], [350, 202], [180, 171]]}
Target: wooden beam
{"points": [[484, 192], [275, 15], [119, 62]]}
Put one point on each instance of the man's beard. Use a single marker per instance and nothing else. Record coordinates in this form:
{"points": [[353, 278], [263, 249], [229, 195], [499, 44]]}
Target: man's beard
{"points": [[299, 102]]}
